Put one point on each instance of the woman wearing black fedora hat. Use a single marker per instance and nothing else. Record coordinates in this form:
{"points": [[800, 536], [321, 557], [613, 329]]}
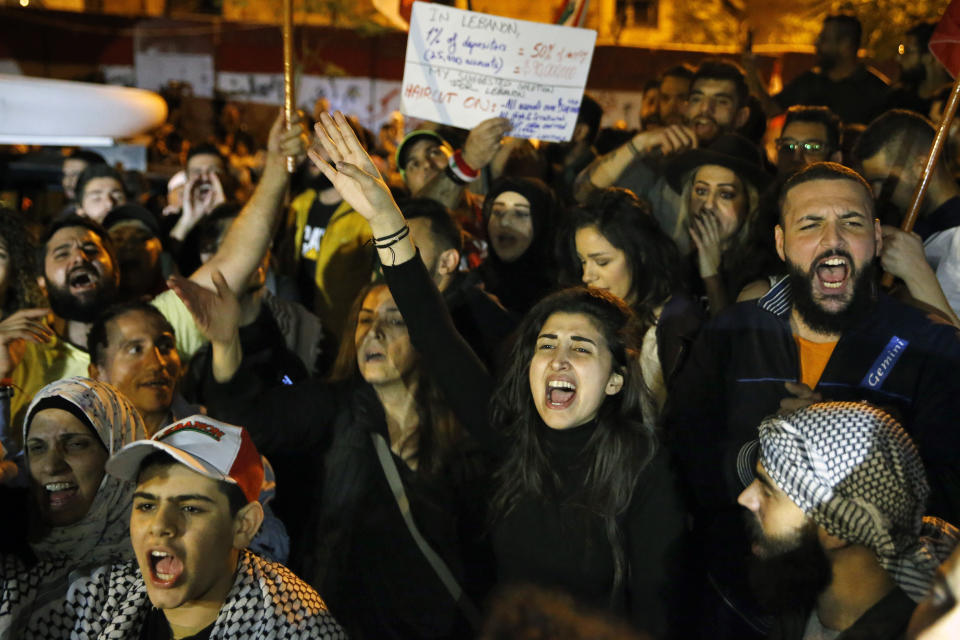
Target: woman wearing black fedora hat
{"points": [[719, 189]]}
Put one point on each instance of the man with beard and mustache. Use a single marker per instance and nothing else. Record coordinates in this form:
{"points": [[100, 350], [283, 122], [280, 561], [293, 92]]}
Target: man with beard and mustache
{"points": [[852, 90], [717, 104], [922, 77], [80, 274], [841, 548], [823, 332], [892, 152]]}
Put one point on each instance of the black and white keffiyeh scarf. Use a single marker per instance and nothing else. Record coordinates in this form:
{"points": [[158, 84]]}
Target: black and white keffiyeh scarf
{"points": [[853, 469], [101, 537], [267, 602]]}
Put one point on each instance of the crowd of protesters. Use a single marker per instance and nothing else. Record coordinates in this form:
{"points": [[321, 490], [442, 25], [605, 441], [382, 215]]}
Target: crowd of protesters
{"points": [[451, 384]]}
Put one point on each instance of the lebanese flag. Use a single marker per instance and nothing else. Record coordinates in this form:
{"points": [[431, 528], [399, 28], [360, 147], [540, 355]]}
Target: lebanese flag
{"points": [[945, 41], [573, 13]]}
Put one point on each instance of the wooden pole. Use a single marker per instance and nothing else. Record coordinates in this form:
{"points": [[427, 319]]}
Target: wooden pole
{"points": [[935, 149], [288, 87]]}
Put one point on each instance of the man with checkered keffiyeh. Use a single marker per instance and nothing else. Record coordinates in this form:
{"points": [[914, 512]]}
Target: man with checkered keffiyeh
{"points": [[195, 510], [837, 494]]}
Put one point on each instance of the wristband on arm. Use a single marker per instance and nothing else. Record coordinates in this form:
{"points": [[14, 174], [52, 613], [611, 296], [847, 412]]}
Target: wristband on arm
{"points": [[459, 171]]}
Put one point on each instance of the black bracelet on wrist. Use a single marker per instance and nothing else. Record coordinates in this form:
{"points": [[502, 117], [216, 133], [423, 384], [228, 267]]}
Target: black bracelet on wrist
{"points": [[387, 242], [402, 231]]}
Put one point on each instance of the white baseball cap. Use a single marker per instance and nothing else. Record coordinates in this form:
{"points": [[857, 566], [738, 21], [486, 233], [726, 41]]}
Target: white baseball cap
{"points": [[209, 447]]}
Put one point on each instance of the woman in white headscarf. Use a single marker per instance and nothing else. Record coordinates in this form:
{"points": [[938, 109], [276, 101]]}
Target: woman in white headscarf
{"points": [[77, 516]]}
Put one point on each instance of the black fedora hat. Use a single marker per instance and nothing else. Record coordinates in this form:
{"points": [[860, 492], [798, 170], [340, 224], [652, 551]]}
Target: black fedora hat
{"points": [[132, 213], [730, 150]]}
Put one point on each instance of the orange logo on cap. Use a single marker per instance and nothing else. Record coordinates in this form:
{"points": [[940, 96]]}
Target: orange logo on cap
{"points": [[199, 427]]}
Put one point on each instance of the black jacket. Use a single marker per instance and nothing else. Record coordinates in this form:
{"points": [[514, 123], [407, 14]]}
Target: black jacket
{"points": [[479, 317], [898, 359], [886, 620], [356, 550], [545, 540]]}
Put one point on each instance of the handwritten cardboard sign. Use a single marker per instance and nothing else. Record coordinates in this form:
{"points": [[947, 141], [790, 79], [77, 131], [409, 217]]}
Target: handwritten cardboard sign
{"points": [[463, 67]]}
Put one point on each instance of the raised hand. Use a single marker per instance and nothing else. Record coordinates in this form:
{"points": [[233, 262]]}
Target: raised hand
{"points": [[483, 141], [666, 140], [23, 326], [903, 254], [282, 143], [216, 313], [202, 194], [340, 157]]}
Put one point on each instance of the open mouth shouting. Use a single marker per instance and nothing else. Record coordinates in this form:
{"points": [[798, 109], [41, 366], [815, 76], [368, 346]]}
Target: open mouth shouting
{"points": [[372, 355], [83, 278], [165, 568], [831, 273], [560, 393], [61, 495]]}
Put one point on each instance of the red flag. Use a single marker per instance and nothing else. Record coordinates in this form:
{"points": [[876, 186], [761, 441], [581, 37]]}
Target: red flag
{"points": [[945, 41], [406, 9]]}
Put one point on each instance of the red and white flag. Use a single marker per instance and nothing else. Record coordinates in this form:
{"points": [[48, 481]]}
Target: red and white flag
{"points": [[945, 41], [573, 13]]}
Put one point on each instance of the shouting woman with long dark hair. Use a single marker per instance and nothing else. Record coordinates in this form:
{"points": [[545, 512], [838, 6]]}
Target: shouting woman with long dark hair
{"points": [[583, 500]]}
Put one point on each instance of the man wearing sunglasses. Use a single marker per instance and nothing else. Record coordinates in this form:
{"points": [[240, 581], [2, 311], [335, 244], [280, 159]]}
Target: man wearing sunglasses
{"points": [[810, 134]]}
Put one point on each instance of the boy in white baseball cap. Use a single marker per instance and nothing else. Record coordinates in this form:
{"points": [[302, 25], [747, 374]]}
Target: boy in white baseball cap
{"points": [[194, 512]]}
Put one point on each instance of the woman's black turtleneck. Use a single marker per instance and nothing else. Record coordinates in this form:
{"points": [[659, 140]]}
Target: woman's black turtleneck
{"points": [[551, 541], [555, 542]]}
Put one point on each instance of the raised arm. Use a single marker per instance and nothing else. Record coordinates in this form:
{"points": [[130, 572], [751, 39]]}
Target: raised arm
{"points": [[771, 107], [481, 146], [358, 181], [606, 170], [251, 233], [449, 360], [285, 418], [903, 256]]}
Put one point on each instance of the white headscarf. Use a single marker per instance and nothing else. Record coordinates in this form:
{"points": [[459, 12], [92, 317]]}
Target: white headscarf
{"points": [[102, 536]]}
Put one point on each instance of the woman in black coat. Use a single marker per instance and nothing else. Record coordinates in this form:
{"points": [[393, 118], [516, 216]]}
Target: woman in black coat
{"points": [[583, 499]]}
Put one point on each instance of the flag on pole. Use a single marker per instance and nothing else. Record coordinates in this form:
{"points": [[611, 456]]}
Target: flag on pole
{"points": [[573, 13], [945, 41]]}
